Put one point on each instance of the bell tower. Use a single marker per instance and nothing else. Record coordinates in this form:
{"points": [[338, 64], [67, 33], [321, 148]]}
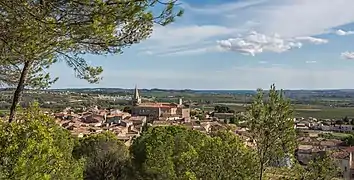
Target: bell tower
{"points": [[136, 100]]}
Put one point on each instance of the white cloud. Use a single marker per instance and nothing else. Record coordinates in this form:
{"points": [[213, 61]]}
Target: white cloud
{"points": [[312, 40], [288, 18], [304, 17], [267, 17], [254, 43], [340, 32], [311, 62], [191, 51], [348, 55], [178, 40], [224, 8]]}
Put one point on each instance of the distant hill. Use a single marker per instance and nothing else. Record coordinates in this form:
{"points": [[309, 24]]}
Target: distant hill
{"points": [[319, 93]]}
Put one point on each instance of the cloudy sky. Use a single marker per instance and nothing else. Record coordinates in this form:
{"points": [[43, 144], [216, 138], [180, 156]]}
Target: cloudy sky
{"points": [[238, 44]]}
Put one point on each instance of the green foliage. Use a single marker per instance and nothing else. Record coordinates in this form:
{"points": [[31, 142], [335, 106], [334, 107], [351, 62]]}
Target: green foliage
{"points": [[233, 120], [36, 148], [271, 126], [349, 140], [223, 109], [127, 109], [35, 34], [177, 153], [200, 116], [322, 167], [2, 114], [42, 32], [193, 113], [106, 157]]}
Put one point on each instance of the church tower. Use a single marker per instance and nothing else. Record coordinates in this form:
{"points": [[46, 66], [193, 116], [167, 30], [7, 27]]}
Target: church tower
{"points": [[136, 100]]}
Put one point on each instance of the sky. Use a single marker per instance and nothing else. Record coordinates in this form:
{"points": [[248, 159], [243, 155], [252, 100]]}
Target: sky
{"points": [[237, 44]]}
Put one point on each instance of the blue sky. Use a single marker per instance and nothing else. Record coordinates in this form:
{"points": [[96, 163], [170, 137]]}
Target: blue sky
{"points": [[238, 44]]}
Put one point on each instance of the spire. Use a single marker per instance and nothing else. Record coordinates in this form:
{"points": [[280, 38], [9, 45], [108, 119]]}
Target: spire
{"points": [[136, 98], [136, 93]]}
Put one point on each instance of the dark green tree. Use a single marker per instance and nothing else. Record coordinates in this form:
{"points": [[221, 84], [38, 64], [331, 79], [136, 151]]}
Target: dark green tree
{"points": [[177, 153], [37, 148], [221, 109], [127, 109], [271, 126], [349, 140], [233, 120], [346, 119], [106, 157], [339, 121]]}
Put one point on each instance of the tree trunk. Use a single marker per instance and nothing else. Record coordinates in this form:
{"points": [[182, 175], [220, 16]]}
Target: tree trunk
{"points": [[18, 92], [261, 172]]}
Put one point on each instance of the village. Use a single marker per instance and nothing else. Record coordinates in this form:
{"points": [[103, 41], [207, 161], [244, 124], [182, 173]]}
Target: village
{"points": [[127, 125], [314, 136]]}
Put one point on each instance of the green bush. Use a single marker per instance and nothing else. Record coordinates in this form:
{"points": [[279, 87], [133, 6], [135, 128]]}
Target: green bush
{"points": [[106, 157], [175, 152], [36, 148]]}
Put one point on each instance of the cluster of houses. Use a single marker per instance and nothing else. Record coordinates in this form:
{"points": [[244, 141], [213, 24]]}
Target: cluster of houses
{"points": [[93, 121], [311, 143], [324, 125], [125, 125]]}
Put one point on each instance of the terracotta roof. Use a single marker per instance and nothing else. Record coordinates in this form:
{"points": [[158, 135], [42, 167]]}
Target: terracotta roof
{"points": [[92, 119], [117, 115], [137, 118], [343, 153], [349, 149], [331, 142], [340, 155], [160, 105]]}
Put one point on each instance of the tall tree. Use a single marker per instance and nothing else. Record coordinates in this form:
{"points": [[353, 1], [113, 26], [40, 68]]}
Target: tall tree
{"points": [[42, 32], [37, 148], [271, 127]]}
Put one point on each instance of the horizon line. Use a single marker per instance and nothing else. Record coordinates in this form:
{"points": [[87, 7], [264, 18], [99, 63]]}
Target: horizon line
{"points": [[181, 89]]}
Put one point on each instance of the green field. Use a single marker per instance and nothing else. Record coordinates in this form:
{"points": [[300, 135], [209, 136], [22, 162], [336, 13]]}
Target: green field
{"points": [[315, 111], [330, 113]]}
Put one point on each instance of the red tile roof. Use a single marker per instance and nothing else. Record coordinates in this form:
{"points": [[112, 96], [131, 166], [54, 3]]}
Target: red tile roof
{"points": [[160, 105]]}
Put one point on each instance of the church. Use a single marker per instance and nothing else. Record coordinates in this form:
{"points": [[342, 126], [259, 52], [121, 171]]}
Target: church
{"points": [[157, 110]]}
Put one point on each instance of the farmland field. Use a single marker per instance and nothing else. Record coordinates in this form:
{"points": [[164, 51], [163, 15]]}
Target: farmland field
{"points": [[307, 111]]}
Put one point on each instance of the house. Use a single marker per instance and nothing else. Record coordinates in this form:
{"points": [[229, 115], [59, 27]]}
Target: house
{"points": [[301, 126], [342, 128], [305, 153], [92, 118], [138, 121], [211, 126], [335, 127], [345, 161], [113, 119], [126, 123]]}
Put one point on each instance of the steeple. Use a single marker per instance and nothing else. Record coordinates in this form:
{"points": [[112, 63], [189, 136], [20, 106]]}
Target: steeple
{"points": [[136, 100]]}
